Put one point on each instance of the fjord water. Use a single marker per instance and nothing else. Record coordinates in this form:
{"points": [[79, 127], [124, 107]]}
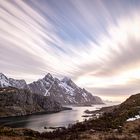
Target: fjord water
{"points": [[38, 122]]}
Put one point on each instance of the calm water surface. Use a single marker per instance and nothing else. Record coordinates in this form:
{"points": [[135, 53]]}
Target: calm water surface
{"points": [[37, 122]]}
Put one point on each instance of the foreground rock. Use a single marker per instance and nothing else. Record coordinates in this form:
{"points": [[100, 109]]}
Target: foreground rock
{"points": [[17, 102]]}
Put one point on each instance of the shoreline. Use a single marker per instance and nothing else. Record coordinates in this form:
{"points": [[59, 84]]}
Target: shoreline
{"points": [[9, 121], [103, 127], [37, 113]]}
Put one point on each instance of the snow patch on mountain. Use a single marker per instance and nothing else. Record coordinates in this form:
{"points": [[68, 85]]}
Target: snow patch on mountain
{"points": [[68, 89], [64, 91], [4, 80], [9, 82]]}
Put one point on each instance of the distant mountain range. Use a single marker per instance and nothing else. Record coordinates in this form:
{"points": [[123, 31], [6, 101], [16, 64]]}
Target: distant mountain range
{"points": [[64, 91]]}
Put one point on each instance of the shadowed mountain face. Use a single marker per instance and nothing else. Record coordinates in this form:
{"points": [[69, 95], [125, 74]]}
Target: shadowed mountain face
{"points": [[64, 91], [17, 102]]}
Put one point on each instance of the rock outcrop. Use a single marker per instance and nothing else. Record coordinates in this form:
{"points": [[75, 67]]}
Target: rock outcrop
{"points": [[17, 102]]}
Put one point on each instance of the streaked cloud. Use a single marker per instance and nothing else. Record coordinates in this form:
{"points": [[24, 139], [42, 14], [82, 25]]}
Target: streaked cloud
{"points": [[93, 42]]}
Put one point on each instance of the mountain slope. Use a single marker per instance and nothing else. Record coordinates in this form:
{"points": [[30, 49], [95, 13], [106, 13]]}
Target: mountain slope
{"points": [[127, 109], [64, 91], [16, 102]]}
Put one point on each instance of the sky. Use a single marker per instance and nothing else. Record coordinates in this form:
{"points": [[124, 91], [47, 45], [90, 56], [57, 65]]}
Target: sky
{"points": [[94, 42]]}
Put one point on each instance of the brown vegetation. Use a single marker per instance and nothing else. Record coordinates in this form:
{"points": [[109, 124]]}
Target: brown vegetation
{"points": [[109, 126]]}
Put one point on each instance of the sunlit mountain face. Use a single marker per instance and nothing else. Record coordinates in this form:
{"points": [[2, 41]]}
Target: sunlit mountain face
{"points": [[94, 42]]}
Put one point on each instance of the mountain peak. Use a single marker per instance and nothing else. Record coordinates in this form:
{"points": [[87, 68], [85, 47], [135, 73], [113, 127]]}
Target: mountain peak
{"points": [[3, 80], [6, 82], [2, 76], [49, 76], [66, 79]]}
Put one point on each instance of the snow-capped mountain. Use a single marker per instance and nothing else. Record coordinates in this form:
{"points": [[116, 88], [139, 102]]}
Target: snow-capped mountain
{"points": [[10, 82], [4, 81], [64, 91]]}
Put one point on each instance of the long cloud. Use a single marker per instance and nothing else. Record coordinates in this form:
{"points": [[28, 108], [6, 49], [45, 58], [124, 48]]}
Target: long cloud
{"points": [[96, 46]]}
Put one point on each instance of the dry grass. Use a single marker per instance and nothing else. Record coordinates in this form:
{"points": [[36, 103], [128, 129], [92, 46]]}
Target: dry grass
{"points": [[108, 136], [15, 138], [132, 127]]}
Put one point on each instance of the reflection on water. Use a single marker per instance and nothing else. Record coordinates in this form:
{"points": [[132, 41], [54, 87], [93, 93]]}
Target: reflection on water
{"points": [[37, 122]]}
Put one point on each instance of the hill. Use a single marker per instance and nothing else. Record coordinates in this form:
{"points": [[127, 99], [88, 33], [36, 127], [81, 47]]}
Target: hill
{"points": [[17, 102]]}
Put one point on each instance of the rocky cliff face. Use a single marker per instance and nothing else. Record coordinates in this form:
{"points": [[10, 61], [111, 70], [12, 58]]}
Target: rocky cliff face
{"points": [[16, 102], [64, 91]]}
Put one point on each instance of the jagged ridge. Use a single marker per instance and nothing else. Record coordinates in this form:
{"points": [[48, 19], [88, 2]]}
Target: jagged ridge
{"points": [[64, 91]]}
